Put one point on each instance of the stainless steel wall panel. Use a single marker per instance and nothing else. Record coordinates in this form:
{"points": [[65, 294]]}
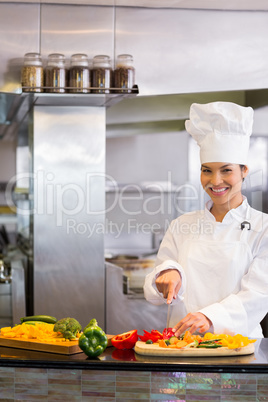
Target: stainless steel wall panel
{"points": [[175, 50], [19, 34], [68, 237], [18, 289], [178, 51], [77, 29]]}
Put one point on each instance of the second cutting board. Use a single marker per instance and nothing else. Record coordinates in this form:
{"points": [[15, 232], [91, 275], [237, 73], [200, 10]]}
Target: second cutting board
{"points": [[65, 348]]}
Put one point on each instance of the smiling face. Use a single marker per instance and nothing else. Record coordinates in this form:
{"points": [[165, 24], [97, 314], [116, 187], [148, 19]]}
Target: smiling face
{"points": [[223, 182]]}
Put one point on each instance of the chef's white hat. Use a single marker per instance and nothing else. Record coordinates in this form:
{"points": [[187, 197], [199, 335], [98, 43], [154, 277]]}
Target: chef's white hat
{"points": [[222, 130]]}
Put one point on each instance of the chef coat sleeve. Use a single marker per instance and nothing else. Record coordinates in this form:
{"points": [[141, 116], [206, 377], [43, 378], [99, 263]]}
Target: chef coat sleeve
{"points": [[167, 258], [241, 313]]}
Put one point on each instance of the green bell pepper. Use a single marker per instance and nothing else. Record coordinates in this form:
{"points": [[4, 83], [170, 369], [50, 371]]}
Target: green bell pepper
{"points": [[93, 341]]}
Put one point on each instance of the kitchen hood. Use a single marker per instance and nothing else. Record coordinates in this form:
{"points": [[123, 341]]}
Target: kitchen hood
{"points": [[167, 113]]}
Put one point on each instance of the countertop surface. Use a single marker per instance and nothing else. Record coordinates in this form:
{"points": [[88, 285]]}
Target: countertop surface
{"points": [[114, 359]]}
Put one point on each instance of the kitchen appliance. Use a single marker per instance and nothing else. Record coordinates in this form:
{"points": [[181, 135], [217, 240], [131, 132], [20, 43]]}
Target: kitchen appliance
{"points": [[5, 295], [127, 309], [134, 271], [12, 288]]}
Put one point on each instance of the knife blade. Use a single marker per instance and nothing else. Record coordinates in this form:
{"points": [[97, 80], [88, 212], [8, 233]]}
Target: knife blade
{"points": [[168, 316]]}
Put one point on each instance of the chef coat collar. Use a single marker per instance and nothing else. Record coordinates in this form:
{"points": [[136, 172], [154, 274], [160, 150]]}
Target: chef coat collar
{"points": [[238, 213]]}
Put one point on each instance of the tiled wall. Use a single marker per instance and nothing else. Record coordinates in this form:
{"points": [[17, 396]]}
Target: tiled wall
{"points": [[29, 384]]}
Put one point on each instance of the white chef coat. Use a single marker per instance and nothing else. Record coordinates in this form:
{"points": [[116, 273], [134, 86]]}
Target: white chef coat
{"points": [[224, 269]]}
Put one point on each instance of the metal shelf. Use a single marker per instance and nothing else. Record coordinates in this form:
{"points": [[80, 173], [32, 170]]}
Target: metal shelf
{"points": [[82, 99], [15, 106]]}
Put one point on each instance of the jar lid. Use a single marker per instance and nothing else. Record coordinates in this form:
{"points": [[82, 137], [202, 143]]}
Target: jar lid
{"points": [[101, 60], [32, 59], [79, 59], [56, 60], [124, 59]]}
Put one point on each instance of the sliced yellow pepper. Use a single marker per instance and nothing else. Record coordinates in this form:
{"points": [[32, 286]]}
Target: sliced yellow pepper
{"points": [[39, 331], [232, 342]]}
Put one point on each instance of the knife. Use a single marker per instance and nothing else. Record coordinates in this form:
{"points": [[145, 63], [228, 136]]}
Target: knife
{"points": [[168, 316]]}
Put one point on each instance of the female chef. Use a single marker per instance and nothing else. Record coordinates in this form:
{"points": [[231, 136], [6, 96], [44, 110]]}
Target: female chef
{"points": [[212, 265]]}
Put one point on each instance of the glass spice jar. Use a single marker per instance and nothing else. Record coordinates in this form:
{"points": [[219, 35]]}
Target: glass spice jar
{"points": [[79, 74], [124, 73], [32, 73], [55, 73], [101, 74]]}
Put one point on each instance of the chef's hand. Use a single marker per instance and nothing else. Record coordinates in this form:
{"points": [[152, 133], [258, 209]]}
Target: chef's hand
{"points": [[192, 322], [169, 282]]}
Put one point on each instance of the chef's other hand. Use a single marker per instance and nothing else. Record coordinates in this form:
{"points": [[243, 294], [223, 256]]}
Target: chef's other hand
{"points": [[192, 322], [169, 282]]}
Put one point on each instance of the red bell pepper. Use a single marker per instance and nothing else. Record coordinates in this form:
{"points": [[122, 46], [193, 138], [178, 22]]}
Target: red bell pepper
{"points": [[126, 340], [168, 333], [154, 335]]}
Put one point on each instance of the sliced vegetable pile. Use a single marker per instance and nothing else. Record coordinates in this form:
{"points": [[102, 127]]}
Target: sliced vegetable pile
{"points": [[187, 340], [40, 331], [152, 336], [44, 328], [167, 339]]}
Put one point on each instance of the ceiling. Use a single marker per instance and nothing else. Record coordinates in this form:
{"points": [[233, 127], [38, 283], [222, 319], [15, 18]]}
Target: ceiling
{"points": [[242, 5]]}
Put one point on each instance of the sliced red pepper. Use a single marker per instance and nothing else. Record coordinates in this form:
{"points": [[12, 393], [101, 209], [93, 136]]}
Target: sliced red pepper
{"points": [[168, 333], [126, 340], [150, 336], [143, 338], [157, 333], [154, 335]]}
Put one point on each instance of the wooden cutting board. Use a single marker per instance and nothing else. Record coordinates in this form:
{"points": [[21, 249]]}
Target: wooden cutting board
{"points": [[65, 348], [154, 350]]}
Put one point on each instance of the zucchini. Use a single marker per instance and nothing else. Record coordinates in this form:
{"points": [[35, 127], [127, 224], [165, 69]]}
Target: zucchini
{"points": [[43, 318], [211, 341], [36, 322], [209, 345], [173, 339], [193, 344]]}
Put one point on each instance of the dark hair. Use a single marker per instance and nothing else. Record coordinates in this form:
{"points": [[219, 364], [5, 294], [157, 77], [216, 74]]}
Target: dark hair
{"points": [[242, 167]]}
